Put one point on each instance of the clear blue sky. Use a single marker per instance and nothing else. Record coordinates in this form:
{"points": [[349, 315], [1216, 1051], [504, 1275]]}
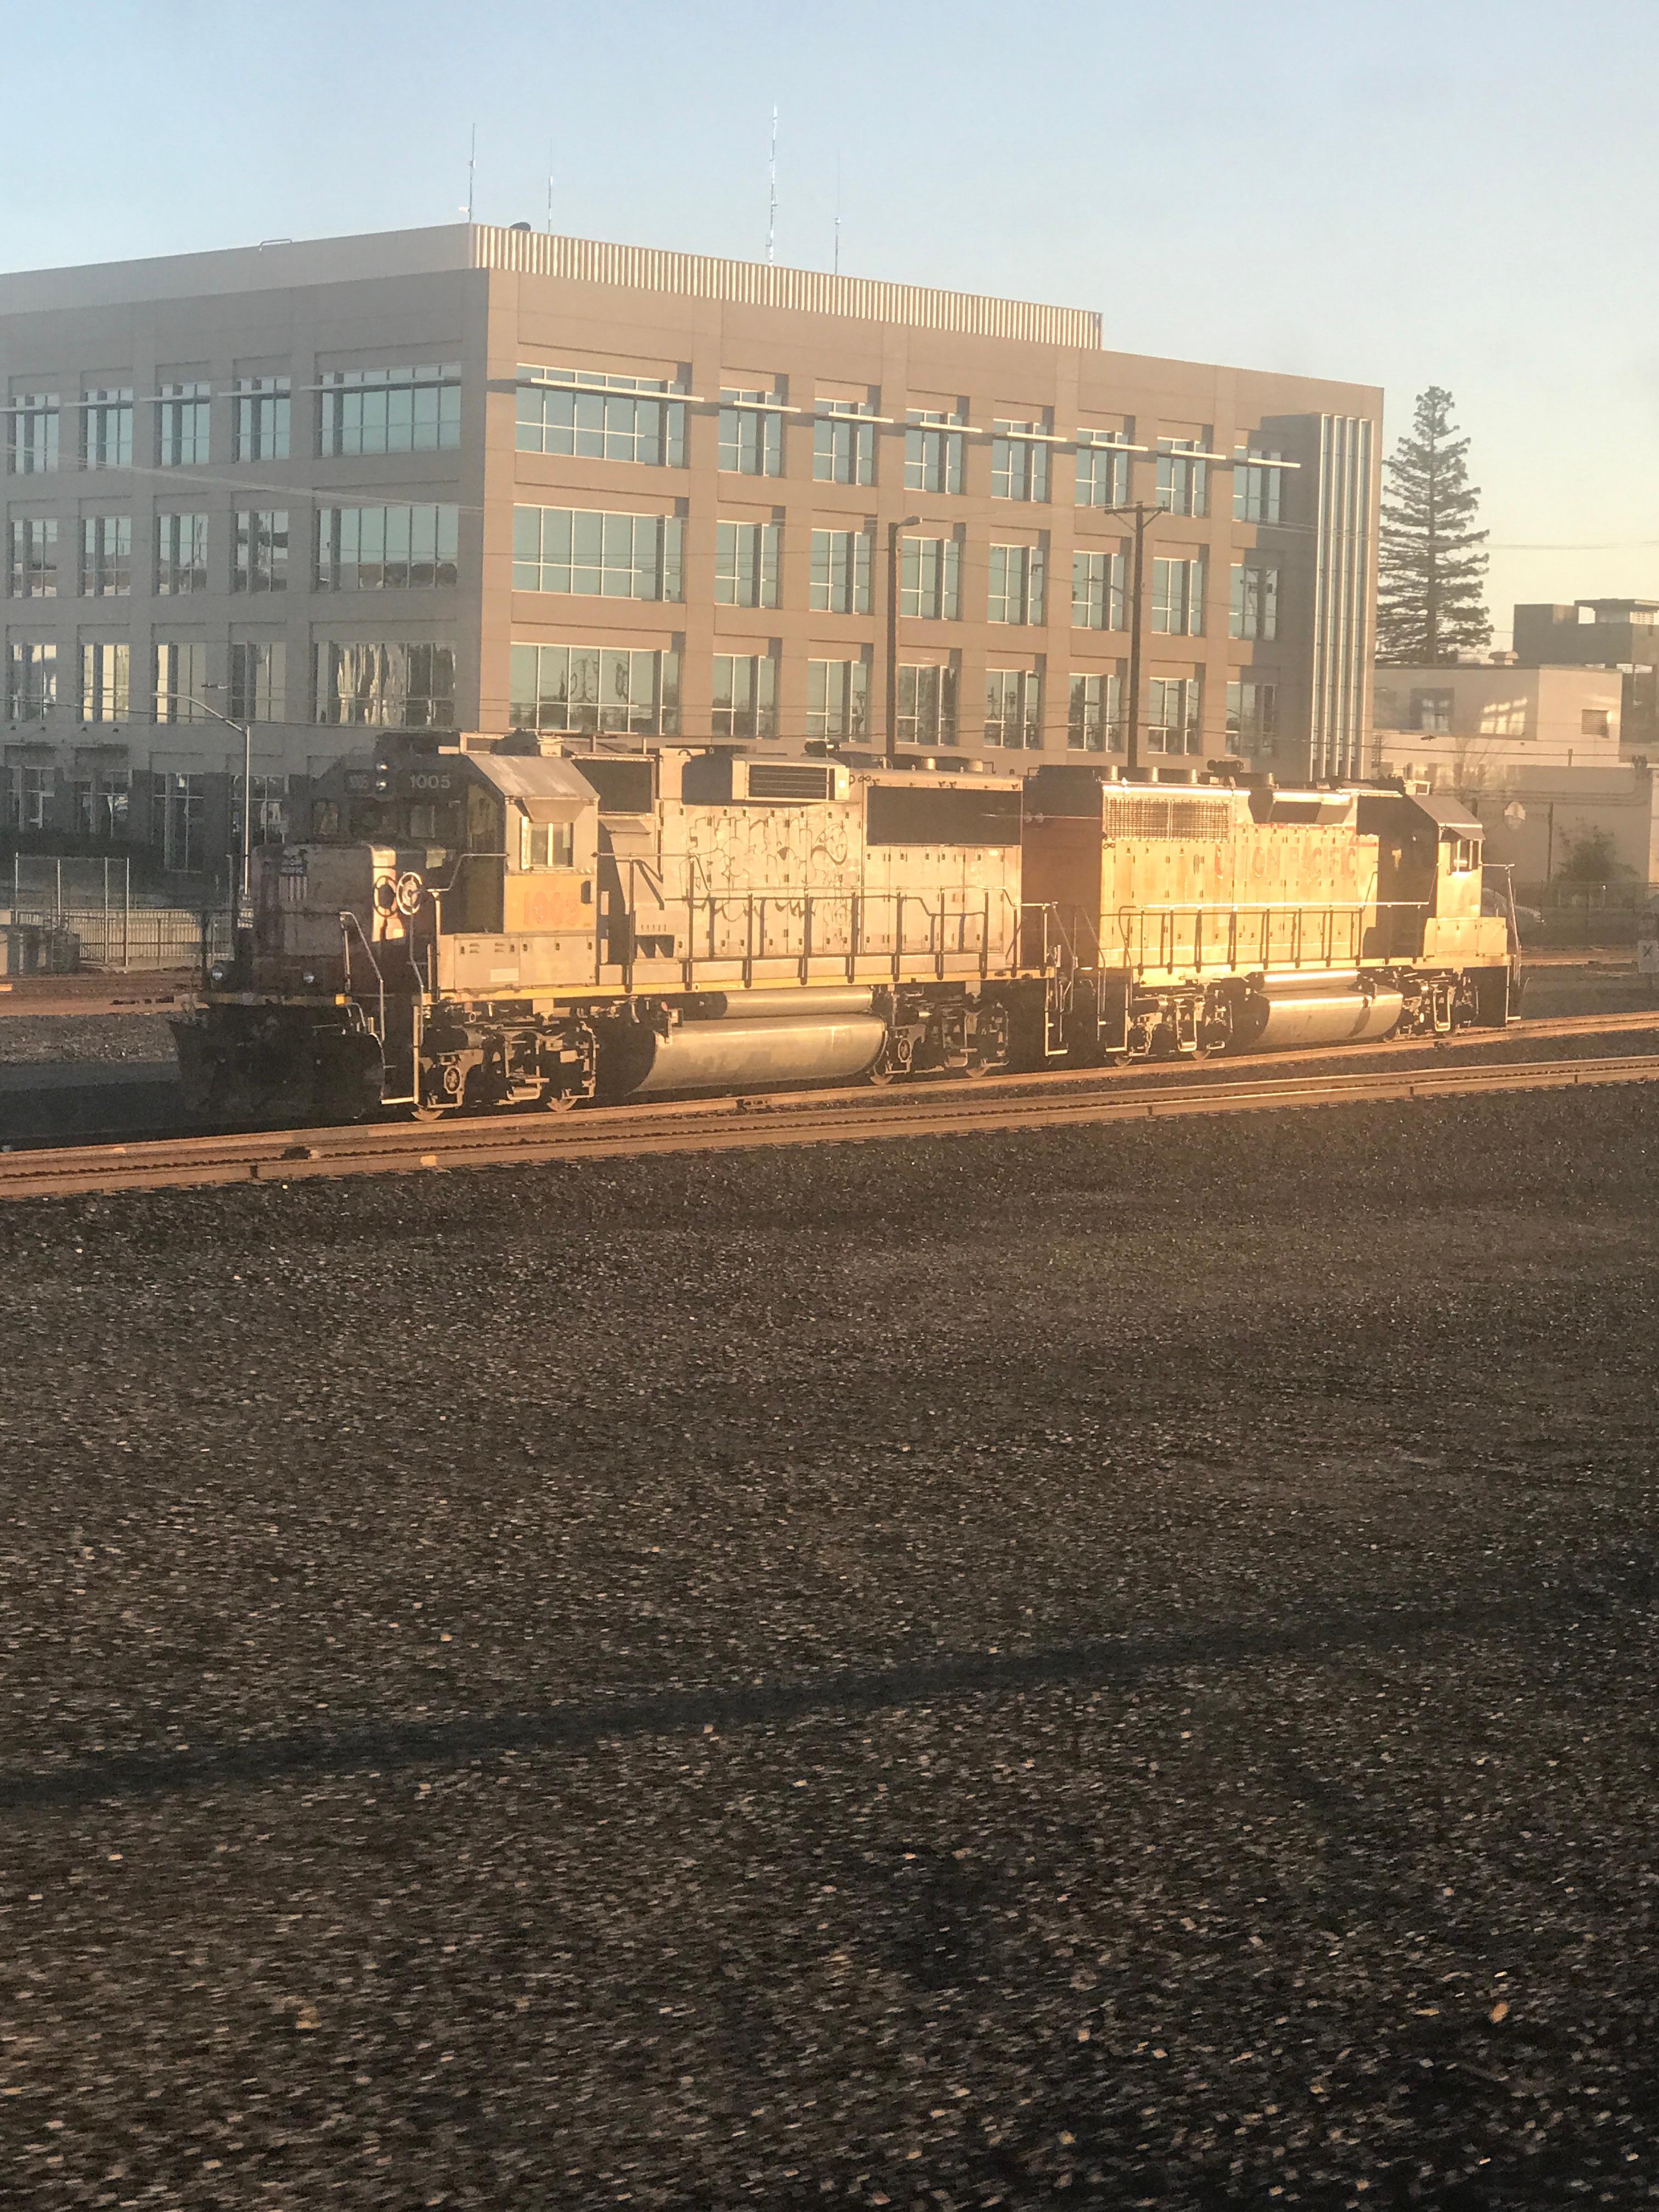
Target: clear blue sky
{"points": [[1460, 193]]}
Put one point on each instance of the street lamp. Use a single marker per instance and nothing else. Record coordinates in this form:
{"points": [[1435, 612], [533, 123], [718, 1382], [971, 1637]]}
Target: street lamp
{"points": [[1142, 517], [245, 731], [893, 529]]}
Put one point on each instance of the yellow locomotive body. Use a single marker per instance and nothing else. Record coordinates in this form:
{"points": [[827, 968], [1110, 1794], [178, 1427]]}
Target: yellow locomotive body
{"points": [[494, 925], [1214, 916], [501, 927]]}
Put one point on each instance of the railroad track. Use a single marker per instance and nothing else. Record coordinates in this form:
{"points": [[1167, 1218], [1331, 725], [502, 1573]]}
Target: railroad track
{"points": [[605, 1132]]}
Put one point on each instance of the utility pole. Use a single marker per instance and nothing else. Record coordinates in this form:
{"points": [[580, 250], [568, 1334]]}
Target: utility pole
{"points": [[905, 522], [1142, 516]]}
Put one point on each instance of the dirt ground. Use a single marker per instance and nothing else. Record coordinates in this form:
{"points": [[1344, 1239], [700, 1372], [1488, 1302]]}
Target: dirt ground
{"points": [[1112, 1666]]}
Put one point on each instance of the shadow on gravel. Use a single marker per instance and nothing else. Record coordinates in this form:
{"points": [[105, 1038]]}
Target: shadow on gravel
{"points": [[1099, 1664]]}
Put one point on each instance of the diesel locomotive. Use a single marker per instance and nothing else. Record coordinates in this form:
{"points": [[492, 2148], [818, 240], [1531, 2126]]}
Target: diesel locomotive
{"points": [[501, 923]]}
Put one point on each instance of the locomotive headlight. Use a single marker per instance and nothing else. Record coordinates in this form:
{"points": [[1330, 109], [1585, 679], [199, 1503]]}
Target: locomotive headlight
{"points": [[307, 977], [217, 973]]}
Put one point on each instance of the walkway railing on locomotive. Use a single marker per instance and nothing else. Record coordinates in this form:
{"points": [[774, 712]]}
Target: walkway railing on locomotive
{"points": [[765, 931], [1269, 934]]}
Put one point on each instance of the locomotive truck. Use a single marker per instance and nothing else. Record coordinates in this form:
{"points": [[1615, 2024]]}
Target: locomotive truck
{"points": [[501, 923]]}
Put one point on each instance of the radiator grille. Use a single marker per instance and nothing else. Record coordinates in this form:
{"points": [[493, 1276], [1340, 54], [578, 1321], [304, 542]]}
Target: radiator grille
{"points": [[789, 780], [1138, 816]]}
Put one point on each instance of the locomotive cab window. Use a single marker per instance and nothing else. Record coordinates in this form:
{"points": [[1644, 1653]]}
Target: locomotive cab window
{"points": [[1464, 855], [546, 844]]}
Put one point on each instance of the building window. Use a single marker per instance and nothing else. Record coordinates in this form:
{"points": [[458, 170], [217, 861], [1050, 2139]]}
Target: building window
{"points": [[106, 555], [1255, 602], [183, 820], [375, 549], [1097, 589], [106, 428], [1431, 712], [269, 823], [1094, 716], [181, 558], [932, 451], [1016, 589], [844, 442], [114, 803], [31, 434], [1252, 716], [39, 790], [1183, 481], [1178, 598], [31, 679], [259, 418], [600, 418], [1594, 722], [837, 698], [927, 705], [180, 681], [1102, 469], [390, 686], [184, 422], [930, 579], [589, 688], [258, 682], [100, 803], [391, 410], [1174, 714], [1013, 709], [745, 695], [1020, 461], [613, 556], [31, 570], [1258, 491], [261, 563], [746, 564], [751, 433], [106, 677], [841, 571]]}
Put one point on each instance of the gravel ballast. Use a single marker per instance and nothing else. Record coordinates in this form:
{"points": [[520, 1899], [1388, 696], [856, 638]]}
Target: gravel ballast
{"points": [[1112, 1666], [74, 1040]]}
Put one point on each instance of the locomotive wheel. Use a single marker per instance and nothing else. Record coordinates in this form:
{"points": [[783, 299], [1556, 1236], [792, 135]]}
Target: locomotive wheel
{"points": [[431, 1112], [560, 1101], [882, 1073]]}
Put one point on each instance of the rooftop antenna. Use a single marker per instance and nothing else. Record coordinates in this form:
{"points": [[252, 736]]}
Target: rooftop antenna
{"points": [[549, 191], [471, 169], [837, 264], [772, 213]]}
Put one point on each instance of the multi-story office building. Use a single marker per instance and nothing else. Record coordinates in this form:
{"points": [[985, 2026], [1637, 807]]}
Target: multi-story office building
{"points": [[473, 478]]}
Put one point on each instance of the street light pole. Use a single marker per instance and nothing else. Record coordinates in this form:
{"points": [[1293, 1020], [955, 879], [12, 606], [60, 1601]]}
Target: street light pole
{"points": [[1141, 515], [893, 530], [245, 731]]}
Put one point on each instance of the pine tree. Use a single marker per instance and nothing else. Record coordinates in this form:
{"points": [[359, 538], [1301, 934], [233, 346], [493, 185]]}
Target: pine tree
{"points": [[1429, 595]]}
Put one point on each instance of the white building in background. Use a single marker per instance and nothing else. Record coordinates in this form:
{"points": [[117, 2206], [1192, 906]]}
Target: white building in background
{"points": [[1534, 751]]}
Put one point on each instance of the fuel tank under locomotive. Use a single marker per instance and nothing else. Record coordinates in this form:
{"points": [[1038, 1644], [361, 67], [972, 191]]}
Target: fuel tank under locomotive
{"points": [[759, 1038], [1315, 1010]]}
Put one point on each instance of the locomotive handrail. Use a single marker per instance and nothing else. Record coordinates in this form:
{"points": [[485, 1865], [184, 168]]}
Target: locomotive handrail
{"points": [[956, 924], [1136, 923], [349, 921]]}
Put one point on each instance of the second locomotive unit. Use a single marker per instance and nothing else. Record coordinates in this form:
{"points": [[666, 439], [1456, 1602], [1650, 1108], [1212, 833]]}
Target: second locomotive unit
{"points": [[494, 924]]}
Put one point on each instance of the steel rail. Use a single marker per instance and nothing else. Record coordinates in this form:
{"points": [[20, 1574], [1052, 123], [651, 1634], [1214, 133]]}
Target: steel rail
{"points": [[290, 1157]]}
